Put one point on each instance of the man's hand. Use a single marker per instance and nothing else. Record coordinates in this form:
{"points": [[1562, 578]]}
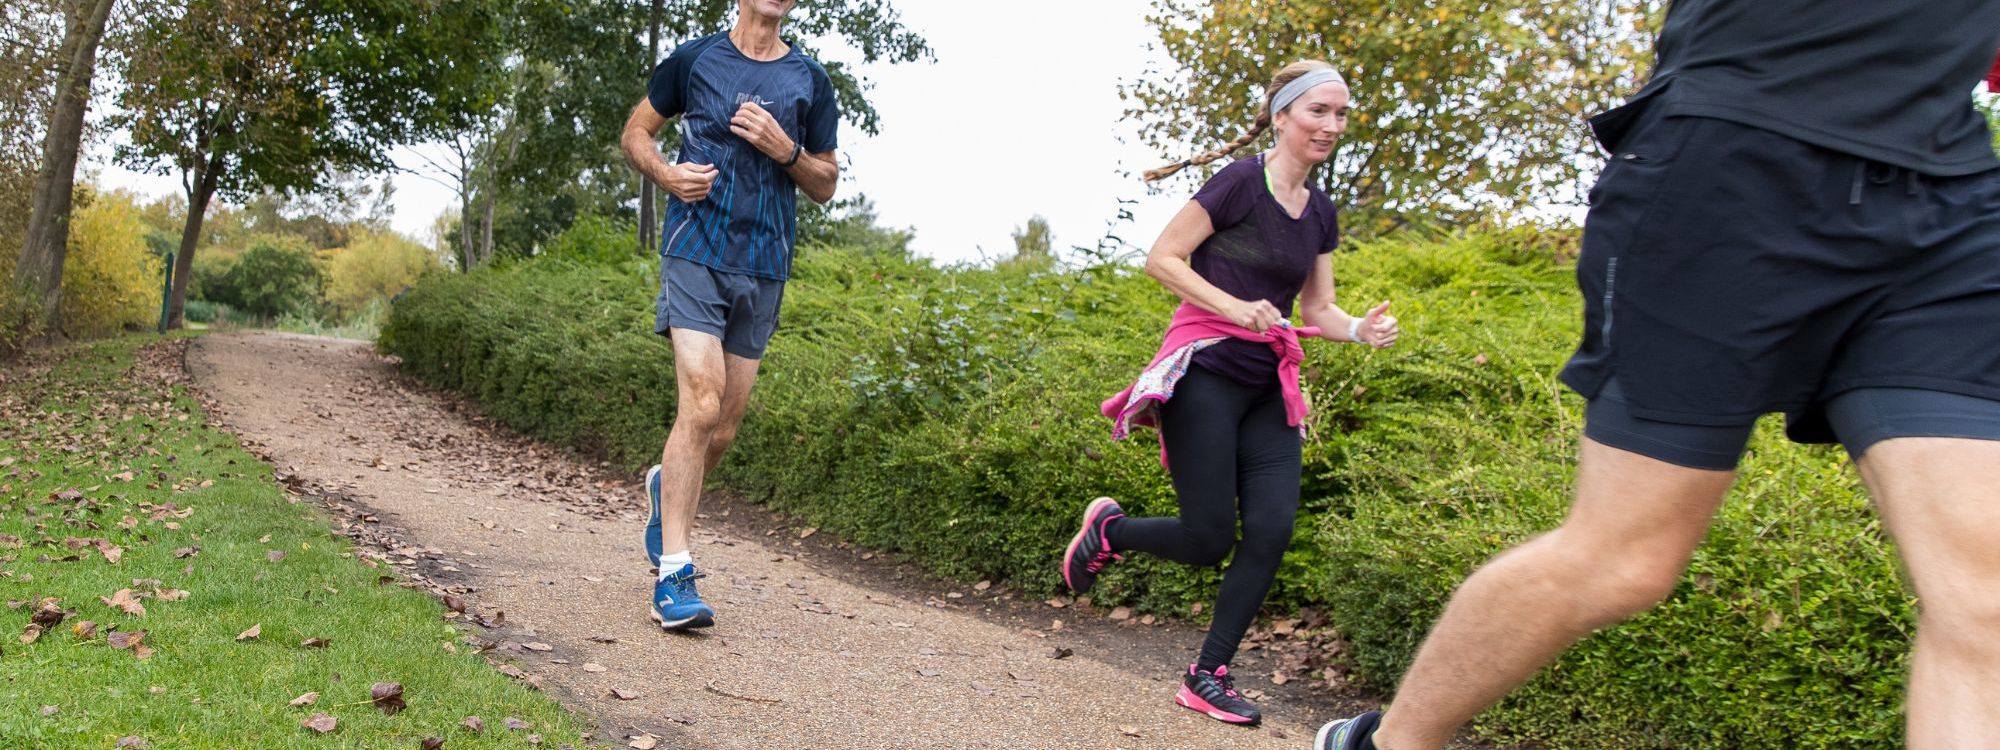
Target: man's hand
{"points": [[690, 182], [755, 125]]}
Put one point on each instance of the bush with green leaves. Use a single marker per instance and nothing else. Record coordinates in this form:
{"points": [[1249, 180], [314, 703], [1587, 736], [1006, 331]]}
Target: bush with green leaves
{"points": [[950, 414], [274, 276]]}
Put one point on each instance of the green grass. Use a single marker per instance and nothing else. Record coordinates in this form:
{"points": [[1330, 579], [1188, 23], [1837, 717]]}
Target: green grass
{"points": [[76, 420]]}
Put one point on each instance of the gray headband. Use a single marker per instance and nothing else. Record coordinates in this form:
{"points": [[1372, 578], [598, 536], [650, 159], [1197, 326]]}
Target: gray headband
{"points": [[1300, 85]]}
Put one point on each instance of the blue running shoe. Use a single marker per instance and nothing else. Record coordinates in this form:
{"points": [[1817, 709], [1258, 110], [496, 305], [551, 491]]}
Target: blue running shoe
{"points": [[1348, 734], [653, 521], [676, 605]]}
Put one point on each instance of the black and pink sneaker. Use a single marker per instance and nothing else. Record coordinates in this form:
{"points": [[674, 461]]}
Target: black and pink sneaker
{"points": [[1214, 693], [1089, 552]]}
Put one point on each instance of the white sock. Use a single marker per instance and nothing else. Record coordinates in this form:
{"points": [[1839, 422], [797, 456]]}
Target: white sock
{"points": [[671, 564]]}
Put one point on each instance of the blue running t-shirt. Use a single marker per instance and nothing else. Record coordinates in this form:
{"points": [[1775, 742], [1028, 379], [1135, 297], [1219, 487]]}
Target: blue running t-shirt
{"points": [[749, 220]]}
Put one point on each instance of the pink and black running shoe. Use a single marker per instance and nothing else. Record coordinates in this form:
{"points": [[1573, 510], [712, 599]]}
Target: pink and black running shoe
{"points": [[1089, 552], [1214, 693]]}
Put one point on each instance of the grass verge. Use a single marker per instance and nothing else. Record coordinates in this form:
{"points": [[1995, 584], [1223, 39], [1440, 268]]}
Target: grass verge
{"points": [[115, 489]]}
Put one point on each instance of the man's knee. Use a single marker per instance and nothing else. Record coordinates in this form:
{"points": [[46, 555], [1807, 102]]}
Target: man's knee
{"points": [[699, 410], [1611, 582]]}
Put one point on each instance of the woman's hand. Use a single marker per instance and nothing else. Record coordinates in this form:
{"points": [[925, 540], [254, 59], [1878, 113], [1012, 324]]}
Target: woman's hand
{"points": [[1257, 315], [1378, 328]]}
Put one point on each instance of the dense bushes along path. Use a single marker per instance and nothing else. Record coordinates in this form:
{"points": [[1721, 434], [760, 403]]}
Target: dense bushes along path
{"points": [[804, 656]]}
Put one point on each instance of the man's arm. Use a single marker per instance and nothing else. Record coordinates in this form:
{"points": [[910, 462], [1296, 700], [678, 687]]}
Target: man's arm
{"points": [[640, 141], [816, 174]]}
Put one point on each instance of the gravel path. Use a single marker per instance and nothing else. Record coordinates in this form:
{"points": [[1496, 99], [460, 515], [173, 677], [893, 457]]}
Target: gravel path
{"points": [[802, 656]]}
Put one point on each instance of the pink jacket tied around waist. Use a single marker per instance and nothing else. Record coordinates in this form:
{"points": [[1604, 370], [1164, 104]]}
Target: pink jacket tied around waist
{"points": [[1192, 330]]}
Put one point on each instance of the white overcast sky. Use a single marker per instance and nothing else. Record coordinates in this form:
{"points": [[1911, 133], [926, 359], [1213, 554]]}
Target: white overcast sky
{"points": [[1019, 116]]}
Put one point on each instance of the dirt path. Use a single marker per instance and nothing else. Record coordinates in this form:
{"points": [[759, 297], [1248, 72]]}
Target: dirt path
{"points": [[802, 656]]}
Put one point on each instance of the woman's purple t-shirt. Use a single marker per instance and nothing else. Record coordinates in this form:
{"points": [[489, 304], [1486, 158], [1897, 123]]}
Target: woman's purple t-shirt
{"points": [[1258, 251]]}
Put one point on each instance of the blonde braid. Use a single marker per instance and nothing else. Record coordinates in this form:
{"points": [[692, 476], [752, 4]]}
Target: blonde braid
{"points": [[1257, 128]]}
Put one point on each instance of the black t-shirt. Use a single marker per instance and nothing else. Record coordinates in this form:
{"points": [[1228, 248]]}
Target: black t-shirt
{"points": [[1258, 251], [1887, 80]]}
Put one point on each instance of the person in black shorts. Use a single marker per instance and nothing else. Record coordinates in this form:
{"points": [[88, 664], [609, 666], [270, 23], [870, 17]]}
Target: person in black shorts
{"points": [[1801, 215]]}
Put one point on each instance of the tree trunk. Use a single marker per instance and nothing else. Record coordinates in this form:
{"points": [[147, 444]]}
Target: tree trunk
{"points": [[47, 245], [648, 225], [486, 233], [202, 191], [468, 253]]}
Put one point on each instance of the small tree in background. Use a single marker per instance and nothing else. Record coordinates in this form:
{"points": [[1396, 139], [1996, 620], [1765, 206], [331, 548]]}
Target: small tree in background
{"points": [[376, 266], [1033, 245], [111, 279], [1463, 108], [275, 276]]}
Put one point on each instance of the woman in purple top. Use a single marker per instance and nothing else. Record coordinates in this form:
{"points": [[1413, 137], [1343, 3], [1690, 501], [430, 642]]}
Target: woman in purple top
{"points": [[1255, 238]]}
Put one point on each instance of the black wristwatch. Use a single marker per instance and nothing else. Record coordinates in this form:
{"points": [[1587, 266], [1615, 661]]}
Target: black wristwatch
{"points": [[797, 148]]}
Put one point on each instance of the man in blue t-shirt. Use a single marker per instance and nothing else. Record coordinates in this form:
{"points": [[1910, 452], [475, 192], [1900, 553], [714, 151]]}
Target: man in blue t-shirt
{"points": [[758, 121]]}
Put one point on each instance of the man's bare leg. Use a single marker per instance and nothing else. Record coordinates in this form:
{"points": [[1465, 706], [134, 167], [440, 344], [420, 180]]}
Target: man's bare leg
{"points": [[1940, 499], [1634, 525], [701, 378]]}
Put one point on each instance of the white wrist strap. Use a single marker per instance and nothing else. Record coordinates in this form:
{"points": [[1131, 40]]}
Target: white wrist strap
{"points": [[1354, 330]]}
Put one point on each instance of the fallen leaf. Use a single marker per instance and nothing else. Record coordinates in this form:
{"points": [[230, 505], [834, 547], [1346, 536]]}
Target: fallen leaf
{"points": [[1129, 731], [305, 700], [1060, 653], [431, 743], [387, 696], [320, 723], [537, 646], [534, 739], [591, 666], [275, 555], [643, 742], [169, 595], [142, 652], [454, 603], [31, 633], [1121, 613], [49, 710], [602, 639], [124, 600], [138, 743], [1058, 602], [49, 613], [624, 695], [187, 552], [929, 672], [315, 643], [516, 724], [254, 631], [112, 553], [982, 585], [123, 476], [808, 532], [1148, 620], [1280, 678], [474, 723], [120, 639]]}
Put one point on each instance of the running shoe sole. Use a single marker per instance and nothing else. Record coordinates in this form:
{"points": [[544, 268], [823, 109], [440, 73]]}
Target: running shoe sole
{"points": [[1187, 699], [653, 520], [699, 620], [1069, 555]]}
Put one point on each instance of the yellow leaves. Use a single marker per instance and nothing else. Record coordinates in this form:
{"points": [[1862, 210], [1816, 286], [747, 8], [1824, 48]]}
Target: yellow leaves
{"points": [[110, 278]]}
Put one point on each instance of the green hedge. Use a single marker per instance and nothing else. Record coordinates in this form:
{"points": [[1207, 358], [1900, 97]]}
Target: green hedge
{"points": [[951, 414]]}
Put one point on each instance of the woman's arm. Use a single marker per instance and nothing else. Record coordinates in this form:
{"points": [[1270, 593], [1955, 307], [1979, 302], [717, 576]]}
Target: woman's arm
{"points": [[1168, 263], [1317, 308]]}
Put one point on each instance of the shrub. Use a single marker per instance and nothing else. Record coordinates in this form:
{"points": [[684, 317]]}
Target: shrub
{"points": [[110, 278], [950, 414], [373, 268], [275, 275]]}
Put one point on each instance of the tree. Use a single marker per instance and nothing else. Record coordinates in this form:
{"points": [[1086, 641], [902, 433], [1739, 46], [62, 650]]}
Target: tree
{"points": [[377, 266], [28, 43], [111, 279], [1033, 245], [1462, 107], [47, 243], [572, 71], [275, 277], [244, 96]]}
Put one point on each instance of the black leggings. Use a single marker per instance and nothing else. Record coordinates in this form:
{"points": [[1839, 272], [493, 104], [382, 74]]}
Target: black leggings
{"points": [[1230, 452]]}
